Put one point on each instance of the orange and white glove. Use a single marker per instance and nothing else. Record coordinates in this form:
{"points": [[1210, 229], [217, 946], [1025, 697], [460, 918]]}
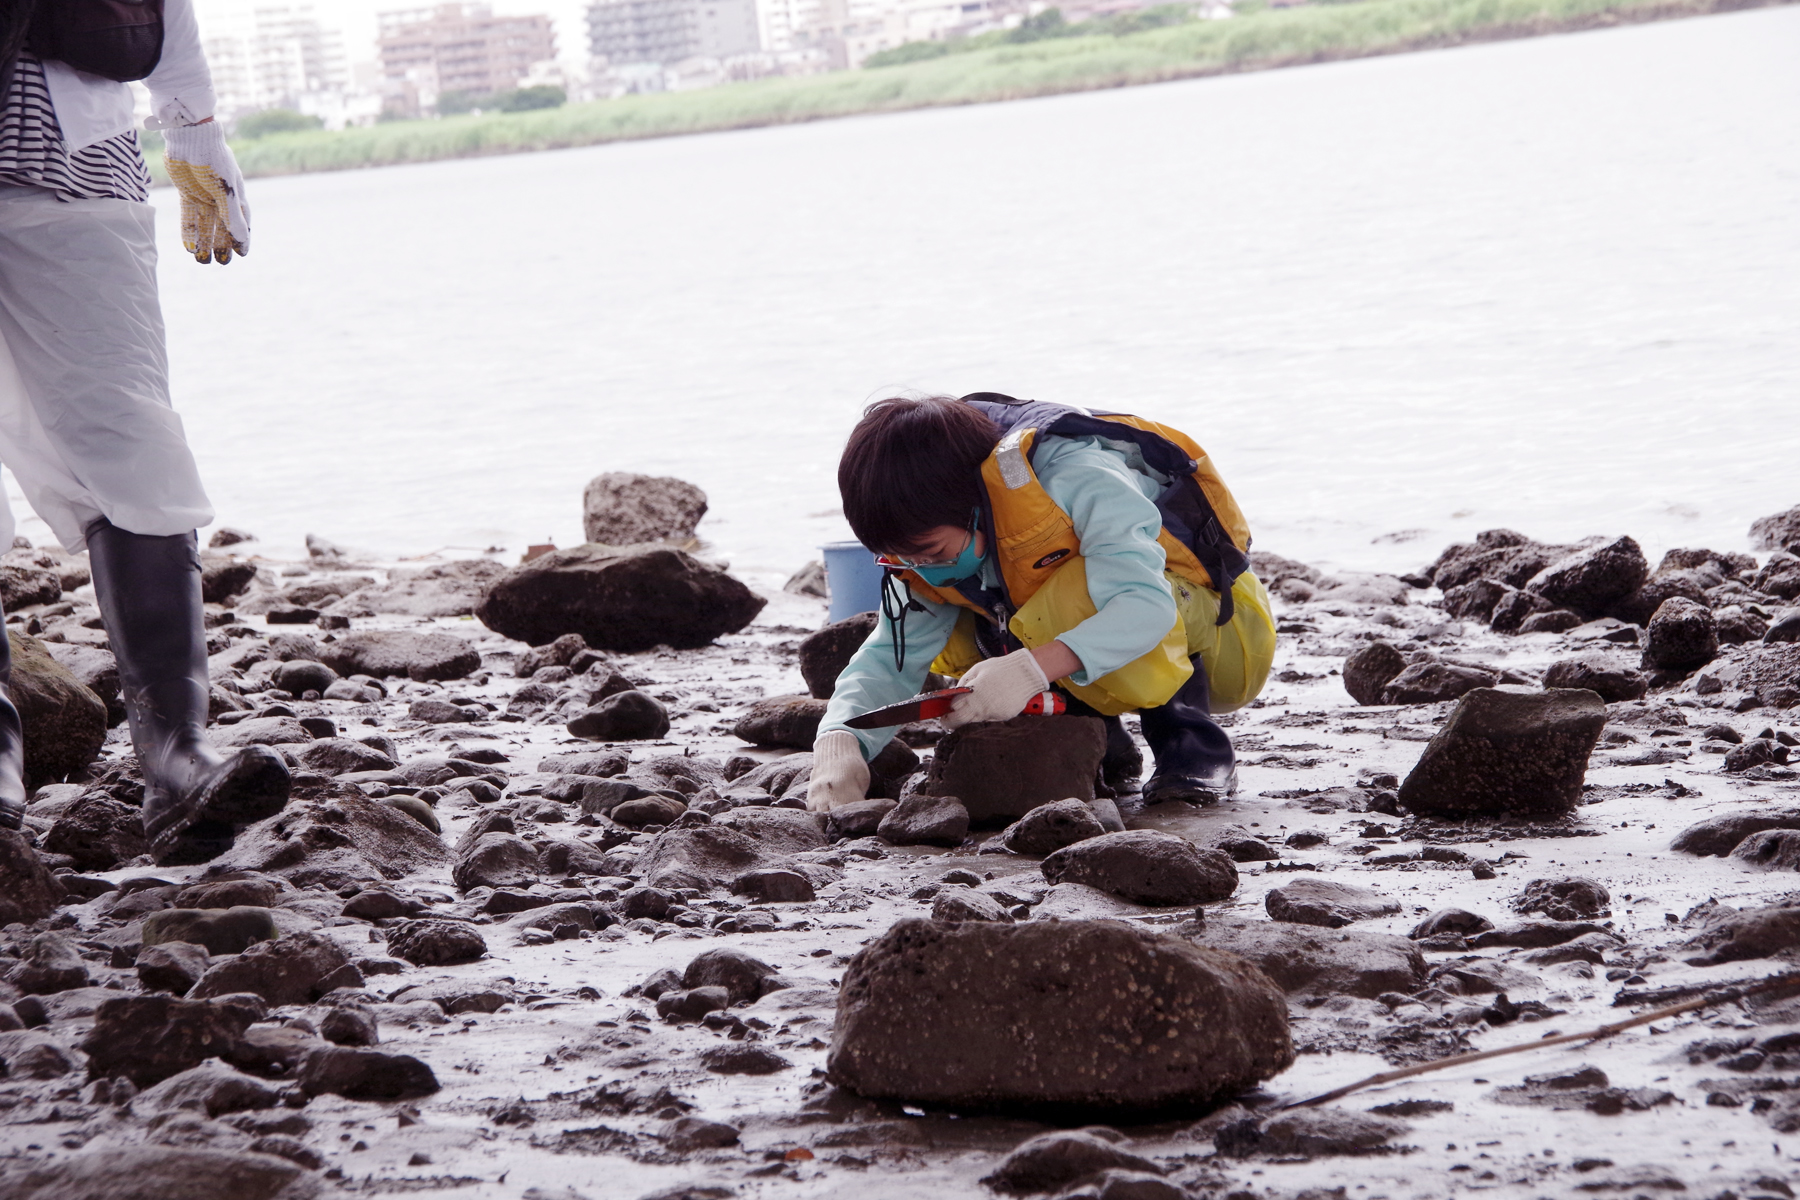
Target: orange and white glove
{"points": [[839, 774], [1003, 687], [215, 220]]}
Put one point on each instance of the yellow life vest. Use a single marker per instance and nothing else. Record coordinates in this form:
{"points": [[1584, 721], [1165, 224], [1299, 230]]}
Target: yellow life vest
{"points": [[1223, 611]]}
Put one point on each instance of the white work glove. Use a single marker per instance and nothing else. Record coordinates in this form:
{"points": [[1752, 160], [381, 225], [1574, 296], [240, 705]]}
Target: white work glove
{"points": [[839, 774], [215, 220], [1003, 687]]}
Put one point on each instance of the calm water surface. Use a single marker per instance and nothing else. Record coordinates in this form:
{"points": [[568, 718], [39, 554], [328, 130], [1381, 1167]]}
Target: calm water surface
{"points": [[1551, 284]]}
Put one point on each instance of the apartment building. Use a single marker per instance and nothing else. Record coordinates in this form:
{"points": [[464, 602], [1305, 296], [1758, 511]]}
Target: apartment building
{"points": [[665, 32], [273, 56], [459, 48]]}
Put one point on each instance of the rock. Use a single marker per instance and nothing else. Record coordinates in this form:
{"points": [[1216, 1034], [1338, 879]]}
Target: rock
{"points": [[1049, 827], [1757, 933], [435, 942], [220, 930], [1516, 607], [1754, 753], [50, 963], [95, 669], [1572, 898], [623, 509], [28, 891], [296, 969], [1452, 921], [704, 857], [1771, 673], [1608, 676], [424, 657], [64, 722], [415, 808], [791, 721], [1241, 847], [619, 598], [1145, 866], [679, 1004], [171, 966], [1313, 1132], [1052, 1161], [921, 820], [740, 974], [1306, 962], [1326, 903], [958, 903], [1475, 600], [212, 1088], [1770, 850], [380, 904], [28, 1054], [598, 764], [1004, 769], [571, 858], [457, 996], [98, 832], [262, 731], [151, 1173], [1641, 605], [686, 1134], [1777, 531], [497, 860], [445, 590], [1780, 576], [859, 818], [1592, 581], [825, 654], [1431, 682], [350, 1025], [1555, 620], [21, 587], [1507, 753], [1078, 1013], [648, 811], [1532, 934], [358, 1074], [1720, 835], [229, 893], [341, 839], [625, 716], [1784, 628], [1368, 672], [737, 1058], [149, 1038], [1682, 636], [222, 577], [774, 886], [300, 675]]}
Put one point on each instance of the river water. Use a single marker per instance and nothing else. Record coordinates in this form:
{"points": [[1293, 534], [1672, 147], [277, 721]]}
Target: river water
{"points": [[1551, 284]]}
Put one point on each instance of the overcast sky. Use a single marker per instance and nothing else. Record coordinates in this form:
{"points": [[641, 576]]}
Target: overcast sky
{"points": [[356, 18]]}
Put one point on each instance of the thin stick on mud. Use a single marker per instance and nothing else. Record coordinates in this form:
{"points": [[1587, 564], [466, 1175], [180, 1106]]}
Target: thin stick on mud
{"points": [[1709, 999]]}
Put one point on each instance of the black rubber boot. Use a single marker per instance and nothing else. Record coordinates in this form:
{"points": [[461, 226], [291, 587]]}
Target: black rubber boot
{"points": [[1194, 759], [195, 798], [1123, 764], [12, 744]]}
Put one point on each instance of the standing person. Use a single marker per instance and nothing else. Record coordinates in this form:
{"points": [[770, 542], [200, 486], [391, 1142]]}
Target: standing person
{"points": [[85, 420], [1029, 544]]}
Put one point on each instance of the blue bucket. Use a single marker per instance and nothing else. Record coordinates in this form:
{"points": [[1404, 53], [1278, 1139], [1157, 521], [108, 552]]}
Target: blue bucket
{"points": [[853, 579]]}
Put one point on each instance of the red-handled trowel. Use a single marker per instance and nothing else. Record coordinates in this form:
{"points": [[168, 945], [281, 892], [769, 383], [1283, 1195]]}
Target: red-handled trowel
{"points": [[927, 705]]}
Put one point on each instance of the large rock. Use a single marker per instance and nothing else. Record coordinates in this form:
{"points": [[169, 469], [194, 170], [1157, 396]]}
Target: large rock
{"points": [[1368, 672], [96, 669], [1507, 754], [620, 508], [21, 587], [921, 820], [1326, 903], [212, 1088], [1049, 827], [1145, 866], [1303, 961], [1720, 835], [445, 590], [151, 1173], [791, 721], [1770, 850], [335, 756], [781, 830], [50, 963], [1051, 1161], [1090, 1014], [705, 857], [497, 860], [347, 838], [825, 654], [1776, 532], [622, 717], [98, 832], [629, 598], [1569, 898], [1780, 576], [424, 657], [1002, 770], [64, 721], [436, 942], [28, 891], [1682, 636], [1432, 682], [1756, 933], [1608, 676], [296, 969], [1770, 672], [149, 1038], [1501, 555], [1641, 605], [1592, 581], [171, 967], [743, 976], [359, 1074], [220, 930], [263, 731]]}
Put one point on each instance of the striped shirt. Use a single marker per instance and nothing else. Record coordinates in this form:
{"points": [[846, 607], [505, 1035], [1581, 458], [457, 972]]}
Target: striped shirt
{"points": [[33, 153]]}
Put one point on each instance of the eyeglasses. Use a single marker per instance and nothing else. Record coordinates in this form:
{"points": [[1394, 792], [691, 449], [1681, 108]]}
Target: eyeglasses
{"points": [[895, 560]]}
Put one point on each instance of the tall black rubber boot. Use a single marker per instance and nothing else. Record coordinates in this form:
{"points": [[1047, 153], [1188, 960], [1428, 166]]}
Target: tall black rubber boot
{"points": [[1194, 759], [195, 798], [12, 743], [1123, 764]]}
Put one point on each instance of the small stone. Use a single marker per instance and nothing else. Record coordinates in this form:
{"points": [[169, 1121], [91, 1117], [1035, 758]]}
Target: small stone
{"points": [[64, 723], [299, 675], [219, 930], [349, 1025], [921, 820], [1145, 866], [774, 886], [1720, 835], [691, 1004], [858, 819], [1052, 1161], [1770, 850], [424, 657], [1308, 961], [359, 1074], [171, 966], [960, 903], [1608, 676], [436, 942], [149, 1038], [740, 1058], [1049, 827], [1433, 682], [154, 1173], [1368, 672], [212, 1088], [1682, 636], [647, 811], [791, 721], [497, 860], [51, 963], [740, 974], [1450, 920], [622, 717], [1507, 753], [296, 969], [1572, 898], [686, 1134], [1326, 903]]}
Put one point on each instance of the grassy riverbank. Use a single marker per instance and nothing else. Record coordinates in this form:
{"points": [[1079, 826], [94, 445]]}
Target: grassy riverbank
{"points": [[1257, 41]]}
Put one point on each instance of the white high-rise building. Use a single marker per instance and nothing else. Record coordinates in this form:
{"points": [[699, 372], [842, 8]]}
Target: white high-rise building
{"points": [[274, 56]]}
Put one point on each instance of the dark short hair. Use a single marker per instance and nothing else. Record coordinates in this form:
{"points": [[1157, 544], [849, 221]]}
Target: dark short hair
{"points": [[911, 466]]}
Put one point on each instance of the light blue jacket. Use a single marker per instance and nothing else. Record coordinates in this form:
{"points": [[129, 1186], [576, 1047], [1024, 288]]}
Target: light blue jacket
{"points": [[1108, 493]]}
